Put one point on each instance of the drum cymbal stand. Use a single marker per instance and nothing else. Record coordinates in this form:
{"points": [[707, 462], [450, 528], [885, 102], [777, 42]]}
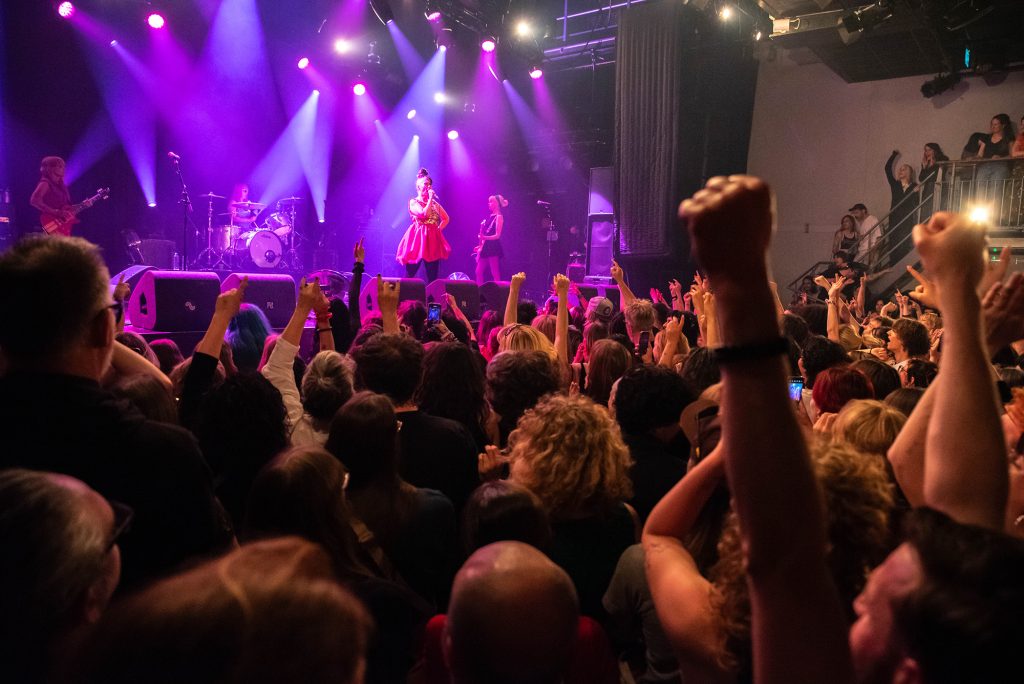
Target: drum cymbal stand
{"points": [[209, 259], [290, 261]]}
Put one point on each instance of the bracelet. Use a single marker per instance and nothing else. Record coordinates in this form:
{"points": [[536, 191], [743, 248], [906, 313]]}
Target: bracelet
{"points": [[324, 316], [324, 330], [752, 352]]}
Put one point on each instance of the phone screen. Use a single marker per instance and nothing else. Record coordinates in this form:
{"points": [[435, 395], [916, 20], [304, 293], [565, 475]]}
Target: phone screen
{"points": [[796, 388], [433, 313], [645, 342]]}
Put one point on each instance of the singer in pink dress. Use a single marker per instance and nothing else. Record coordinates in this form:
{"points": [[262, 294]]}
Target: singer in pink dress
{"points": [[424, 241]]}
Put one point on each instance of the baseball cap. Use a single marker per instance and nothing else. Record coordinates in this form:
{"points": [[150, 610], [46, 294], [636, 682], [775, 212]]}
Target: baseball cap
{"points": [[857, 206], [601, 307]]}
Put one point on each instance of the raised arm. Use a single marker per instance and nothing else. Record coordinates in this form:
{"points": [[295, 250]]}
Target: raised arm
{"points": [[834, 288], [387, 301], [512, 305], [965, 475], [355, 286], [889, 175], [278, 369], [798, 626], [626, 295], [562, 319], [126, 362]]}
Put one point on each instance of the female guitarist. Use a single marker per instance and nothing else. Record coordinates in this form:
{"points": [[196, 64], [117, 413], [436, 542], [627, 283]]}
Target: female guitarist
{"points": [[489, 251], [52, 199]]}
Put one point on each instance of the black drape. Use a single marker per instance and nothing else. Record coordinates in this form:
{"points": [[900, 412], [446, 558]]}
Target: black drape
{"points": [[648, 74]]}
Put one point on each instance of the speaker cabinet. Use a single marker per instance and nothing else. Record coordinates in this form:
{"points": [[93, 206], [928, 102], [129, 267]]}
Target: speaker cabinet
{"points": [[409, 288], [466, 293], [131, 275], [174, 301], [589, 291], [273, 293], [494, 296], [159, 253]]}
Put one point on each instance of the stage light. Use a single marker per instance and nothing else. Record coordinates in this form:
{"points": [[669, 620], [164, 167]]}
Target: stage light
{"points": [[523, 29], [303, 63], [431, 11], [383, 11], [416, 137], [488, 44], [536, 72], [152, 204], [867, 17], [725, 13], [758, 34], [411, 115], [65, 10], [453, 134], [342, 46], [359, 89], [316, 92], [940, 84], [155, 21], [113, 43], [434, 16], [440, 98], [979, 214], [445, 38]]}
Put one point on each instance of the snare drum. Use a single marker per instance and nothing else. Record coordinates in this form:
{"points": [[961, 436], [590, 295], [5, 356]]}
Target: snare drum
{"points": [[261, 248], [279, 222], [224, 237]]}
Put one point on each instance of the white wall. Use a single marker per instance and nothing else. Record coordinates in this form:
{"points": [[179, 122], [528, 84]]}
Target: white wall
{"points": [[822, 144]]}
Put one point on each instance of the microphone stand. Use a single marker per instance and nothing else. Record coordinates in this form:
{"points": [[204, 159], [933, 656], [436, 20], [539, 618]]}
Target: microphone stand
{"points": [[186, 208]]}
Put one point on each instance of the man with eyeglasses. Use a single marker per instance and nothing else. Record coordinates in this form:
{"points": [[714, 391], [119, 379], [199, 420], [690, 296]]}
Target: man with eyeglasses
{"points": [[56, 341]]}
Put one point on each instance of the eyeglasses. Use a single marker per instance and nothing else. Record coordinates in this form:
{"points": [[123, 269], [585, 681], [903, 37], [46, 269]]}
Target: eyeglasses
{"points": [[123, 517], [118, 309]]}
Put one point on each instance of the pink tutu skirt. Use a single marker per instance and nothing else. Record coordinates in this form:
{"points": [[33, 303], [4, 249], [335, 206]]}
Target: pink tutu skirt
{"points": [[422, 241]]}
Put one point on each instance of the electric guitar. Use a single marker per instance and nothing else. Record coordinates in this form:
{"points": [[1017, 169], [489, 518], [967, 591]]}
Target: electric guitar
{"points": [[57, 224]]}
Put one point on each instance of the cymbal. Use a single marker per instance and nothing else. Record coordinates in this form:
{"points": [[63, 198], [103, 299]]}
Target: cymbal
{"points": [[247, 204], [290, 199], [237, 218], [210, 195]]}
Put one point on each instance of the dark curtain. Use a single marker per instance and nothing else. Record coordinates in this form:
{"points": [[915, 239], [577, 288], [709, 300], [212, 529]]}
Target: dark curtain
{"points": [[649, 81]]}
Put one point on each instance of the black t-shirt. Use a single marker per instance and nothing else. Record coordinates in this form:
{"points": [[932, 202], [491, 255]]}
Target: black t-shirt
{"points": [[997, 149], [69, 425], [437, 453], [656, 469]]}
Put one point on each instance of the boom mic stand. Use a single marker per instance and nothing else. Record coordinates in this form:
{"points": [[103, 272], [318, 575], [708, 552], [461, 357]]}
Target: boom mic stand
{"points": [[186, 208]]}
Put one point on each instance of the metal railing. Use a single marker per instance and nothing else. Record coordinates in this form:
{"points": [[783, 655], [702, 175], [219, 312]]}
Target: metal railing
{"points": [[957, 186]]}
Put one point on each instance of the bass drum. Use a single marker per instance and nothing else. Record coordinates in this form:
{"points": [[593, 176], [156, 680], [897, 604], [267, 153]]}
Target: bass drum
{"points": [[260, 248]]}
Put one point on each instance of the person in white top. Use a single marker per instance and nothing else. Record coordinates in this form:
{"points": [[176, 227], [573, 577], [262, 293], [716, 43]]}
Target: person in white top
{"points": [[865, 224]]}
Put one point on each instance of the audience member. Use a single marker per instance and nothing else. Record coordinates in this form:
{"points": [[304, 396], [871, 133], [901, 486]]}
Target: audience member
{"points": [[865, 228], [608, 361], [150, 396], [904, 399], [918, 373], [516, 381], [55, 417], [884, 378], [452, 387], [834, 387], [168, 353], [247, 333], [60, 566], [503, 511]]}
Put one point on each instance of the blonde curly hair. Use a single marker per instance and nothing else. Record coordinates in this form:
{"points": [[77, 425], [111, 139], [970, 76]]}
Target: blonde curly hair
{"points": [[576, 460], [868, 425], [858, 498]]}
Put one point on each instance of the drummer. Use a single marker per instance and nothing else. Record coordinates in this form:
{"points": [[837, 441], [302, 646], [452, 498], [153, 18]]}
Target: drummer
{"points": [[243, 212]]}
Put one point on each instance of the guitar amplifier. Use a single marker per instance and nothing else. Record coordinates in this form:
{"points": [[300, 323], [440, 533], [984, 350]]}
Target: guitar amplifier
{"points": [[174, 301]]}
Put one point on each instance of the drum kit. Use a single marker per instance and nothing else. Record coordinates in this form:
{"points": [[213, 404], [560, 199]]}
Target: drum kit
{"points": [[256, 236]]}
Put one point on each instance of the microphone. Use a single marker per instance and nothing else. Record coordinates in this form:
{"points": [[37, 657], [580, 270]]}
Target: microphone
{"points": [[543, 203], [174, 156], [433, 193]]}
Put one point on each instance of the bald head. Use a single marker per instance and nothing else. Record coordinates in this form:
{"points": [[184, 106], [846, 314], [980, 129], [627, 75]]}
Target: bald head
{"points": [[512, 617]]}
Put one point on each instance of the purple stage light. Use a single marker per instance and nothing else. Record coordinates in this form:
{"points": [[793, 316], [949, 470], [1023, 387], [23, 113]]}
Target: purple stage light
{"points": [[453, 134], [536, 73], [152, 204], [342, 46], [434, 16], [155, 21], [488, 44], [113, 43], [411, 115], [65, 10], [316, 91], [303, 63], [359, 89]]}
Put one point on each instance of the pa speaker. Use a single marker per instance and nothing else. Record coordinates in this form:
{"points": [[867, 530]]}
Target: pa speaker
{"points": [[131, 275], [409, 288], [273, 293], [174, 301], [590, 291], [466, 293], [494, 296]]}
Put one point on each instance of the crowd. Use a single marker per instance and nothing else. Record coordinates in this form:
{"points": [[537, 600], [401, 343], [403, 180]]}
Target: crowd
{"points": [[563, 494]]}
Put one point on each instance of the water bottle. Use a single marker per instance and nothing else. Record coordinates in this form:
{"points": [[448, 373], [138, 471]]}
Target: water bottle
{"points": [[176, 262]]}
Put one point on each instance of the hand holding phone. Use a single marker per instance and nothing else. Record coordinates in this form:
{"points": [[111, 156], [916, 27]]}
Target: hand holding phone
{"points": [[796, 388], [433, 314]]}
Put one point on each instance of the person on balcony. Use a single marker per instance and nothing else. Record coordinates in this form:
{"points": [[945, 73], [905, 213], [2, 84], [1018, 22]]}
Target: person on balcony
{"points": [[933, 155], [866, 223], [902, 208]]}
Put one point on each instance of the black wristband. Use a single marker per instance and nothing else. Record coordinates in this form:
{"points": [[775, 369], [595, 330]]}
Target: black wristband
{"points": [[324, 330], [752, 352]]}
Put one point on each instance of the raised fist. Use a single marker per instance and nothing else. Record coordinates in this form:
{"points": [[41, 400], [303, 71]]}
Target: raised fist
{"points": [[951, 246]]}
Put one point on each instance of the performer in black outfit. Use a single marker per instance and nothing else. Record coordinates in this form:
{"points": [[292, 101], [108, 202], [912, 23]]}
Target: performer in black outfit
{"points": [[489, 251]]}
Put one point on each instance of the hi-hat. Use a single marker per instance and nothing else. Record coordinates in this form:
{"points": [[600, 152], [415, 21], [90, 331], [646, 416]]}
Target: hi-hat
{"points": [[247, 204], [290, 199], [210, 195]]}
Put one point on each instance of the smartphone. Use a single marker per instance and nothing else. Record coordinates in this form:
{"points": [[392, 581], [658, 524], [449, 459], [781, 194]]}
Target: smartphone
{"points": [[644, 343], [796, 388], [433, 313]]}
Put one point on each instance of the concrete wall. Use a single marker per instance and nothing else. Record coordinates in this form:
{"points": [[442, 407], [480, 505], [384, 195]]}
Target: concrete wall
{"points": [[822, 144]]}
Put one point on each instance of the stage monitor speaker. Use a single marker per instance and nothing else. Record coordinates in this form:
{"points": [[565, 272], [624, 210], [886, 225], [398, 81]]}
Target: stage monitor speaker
{"points": [[273, 293], [494, 296], [131, 275], [602, 190], [159, 253], [466, 293], [410, 288], [174, 301], [590, 291]]}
